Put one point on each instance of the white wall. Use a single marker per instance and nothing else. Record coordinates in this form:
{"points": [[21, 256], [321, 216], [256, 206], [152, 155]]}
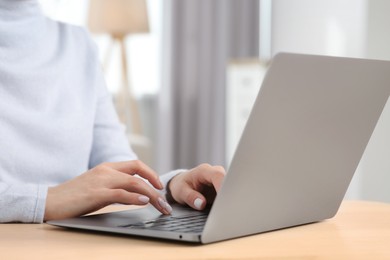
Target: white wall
{"points": [[330, 27], [351, 28], [378, 29], [374, 170]]}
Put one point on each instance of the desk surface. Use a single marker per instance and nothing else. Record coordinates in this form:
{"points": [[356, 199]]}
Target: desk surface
{"points": [[360, 230]]}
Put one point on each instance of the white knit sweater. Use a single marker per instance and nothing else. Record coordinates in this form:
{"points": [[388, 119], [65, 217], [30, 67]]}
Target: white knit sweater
{"points": [[57, 119]]}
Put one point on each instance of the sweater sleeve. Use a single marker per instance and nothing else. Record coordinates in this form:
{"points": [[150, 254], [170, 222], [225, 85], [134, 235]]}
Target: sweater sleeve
{"points": [[22, 203], [110, 143]]}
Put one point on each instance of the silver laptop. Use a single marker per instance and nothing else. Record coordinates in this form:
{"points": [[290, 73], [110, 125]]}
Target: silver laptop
{"points": [[303, 141]]}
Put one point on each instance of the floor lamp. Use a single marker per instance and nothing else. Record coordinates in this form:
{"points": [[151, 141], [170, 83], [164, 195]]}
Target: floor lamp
{"points": [[119, 19]]}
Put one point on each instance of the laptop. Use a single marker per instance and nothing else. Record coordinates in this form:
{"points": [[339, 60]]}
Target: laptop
{"points": [[303, 141]]}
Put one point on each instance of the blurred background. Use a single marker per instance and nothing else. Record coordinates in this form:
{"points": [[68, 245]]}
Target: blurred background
{"points": [[184, 73]]}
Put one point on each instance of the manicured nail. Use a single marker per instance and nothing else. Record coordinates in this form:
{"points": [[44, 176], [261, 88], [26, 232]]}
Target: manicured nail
{"points": [[165, 205], [168, 207], [161, 202], [143, 199], [198, 203]]}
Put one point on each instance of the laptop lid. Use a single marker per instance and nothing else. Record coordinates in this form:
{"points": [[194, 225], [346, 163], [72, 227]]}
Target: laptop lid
{"points": [[307, 131], [303, 141]]}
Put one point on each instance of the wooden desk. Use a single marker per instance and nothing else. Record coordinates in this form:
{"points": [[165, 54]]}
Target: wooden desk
{"points": [[361, 230]]}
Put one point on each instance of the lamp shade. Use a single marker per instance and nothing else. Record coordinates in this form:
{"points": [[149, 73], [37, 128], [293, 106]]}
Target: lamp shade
{"points": [[118, 17]]}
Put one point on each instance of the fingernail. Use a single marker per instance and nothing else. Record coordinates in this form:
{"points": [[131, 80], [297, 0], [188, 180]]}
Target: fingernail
{"points": [[164, 205], [168, 207], [198, 203], [143, 199]]}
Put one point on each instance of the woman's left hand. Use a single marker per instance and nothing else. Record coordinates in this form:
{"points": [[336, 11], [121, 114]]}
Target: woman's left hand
{"points": [[198, 186]]}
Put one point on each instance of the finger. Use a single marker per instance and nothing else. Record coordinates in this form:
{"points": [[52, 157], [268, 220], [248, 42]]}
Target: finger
{"points": [[193, 198], [131, 184], [128, 198], [139, 168], [213, 175]]}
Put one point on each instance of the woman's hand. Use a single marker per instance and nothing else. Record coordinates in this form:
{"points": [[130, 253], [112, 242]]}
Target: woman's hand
{"points": [[103, 185], [198, 186]]}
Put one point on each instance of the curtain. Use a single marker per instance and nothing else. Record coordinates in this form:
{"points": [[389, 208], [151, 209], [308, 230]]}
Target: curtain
{"points": [[199, 39]]}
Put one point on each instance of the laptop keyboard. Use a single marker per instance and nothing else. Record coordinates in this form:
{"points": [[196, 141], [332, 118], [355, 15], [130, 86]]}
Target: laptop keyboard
{"points": [[186, 224]]}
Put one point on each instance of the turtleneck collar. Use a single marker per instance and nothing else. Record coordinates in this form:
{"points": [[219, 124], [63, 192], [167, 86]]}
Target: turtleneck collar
{"points": [[21, 21], [19, 8]]}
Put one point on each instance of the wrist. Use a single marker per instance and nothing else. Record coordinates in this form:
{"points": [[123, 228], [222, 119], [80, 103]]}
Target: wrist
{"points": [[171, 186], [168, 194]]}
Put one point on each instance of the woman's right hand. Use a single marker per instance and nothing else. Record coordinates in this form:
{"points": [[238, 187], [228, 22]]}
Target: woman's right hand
{"points": [[103, 185]]}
